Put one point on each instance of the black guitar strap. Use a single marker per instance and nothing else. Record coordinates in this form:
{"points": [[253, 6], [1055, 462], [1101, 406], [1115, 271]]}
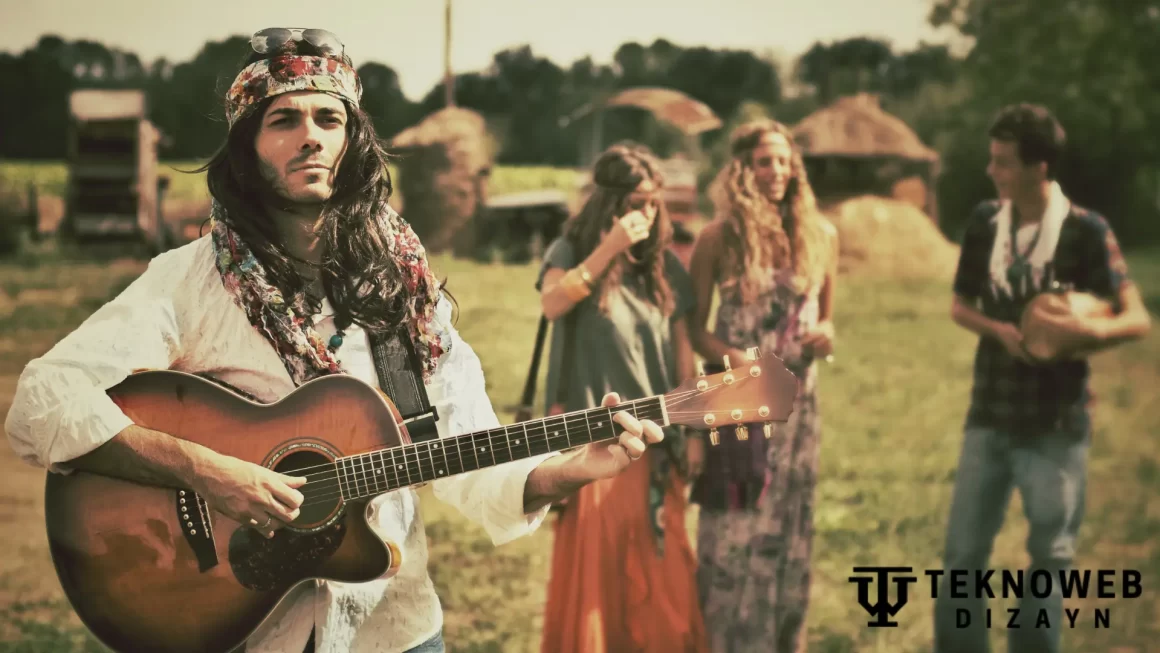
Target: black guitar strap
{"points": [[397, 367]]}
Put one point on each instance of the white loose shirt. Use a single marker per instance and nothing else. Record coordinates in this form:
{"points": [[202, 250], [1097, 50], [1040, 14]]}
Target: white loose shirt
{"points": [[177, 315]]}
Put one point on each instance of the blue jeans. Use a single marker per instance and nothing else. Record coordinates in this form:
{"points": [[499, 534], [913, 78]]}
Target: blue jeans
{"points": [[433, 645], [1050, 470]]}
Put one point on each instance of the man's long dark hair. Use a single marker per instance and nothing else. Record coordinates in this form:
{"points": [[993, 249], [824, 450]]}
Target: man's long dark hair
{"points": [[358, 274]]}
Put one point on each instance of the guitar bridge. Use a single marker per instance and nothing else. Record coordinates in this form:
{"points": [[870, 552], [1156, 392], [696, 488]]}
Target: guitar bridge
{"points": [[196, 526]]}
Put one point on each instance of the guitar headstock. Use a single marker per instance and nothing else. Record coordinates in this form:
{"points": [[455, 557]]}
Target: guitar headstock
{"points": [[759, 389]]}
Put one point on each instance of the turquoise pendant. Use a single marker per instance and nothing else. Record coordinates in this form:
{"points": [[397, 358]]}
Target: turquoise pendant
{"points": [[335, 341]]}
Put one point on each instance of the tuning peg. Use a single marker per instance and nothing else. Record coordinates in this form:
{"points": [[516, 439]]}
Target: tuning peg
{"points": [[728, 378], [753, 353], [714, 437], [768, 430], [742, 432], [700, 367]]}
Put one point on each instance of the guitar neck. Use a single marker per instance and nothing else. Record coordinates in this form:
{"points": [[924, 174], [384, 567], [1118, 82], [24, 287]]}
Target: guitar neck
{"points": [[370, 474]]}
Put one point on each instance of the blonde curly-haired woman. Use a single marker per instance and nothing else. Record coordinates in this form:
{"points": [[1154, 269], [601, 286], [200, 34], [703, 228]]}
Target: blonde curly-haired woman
{"points": [[773, 258]]}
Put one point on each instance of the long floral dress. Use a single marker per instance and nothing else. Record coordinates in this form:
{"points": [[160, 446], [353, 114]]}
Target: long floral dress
{"points": [[755, 530]]}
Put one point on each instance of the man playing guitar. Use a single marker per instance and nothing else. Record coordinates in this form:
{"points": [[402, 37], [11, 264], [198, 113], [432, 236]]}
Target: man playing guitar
{"points": [[305, 261]]}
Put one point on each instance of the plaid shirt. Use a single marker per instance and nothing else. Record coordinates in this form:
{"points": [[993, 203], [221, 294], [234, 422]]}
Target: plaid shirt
{"points": [[1008, 393]]}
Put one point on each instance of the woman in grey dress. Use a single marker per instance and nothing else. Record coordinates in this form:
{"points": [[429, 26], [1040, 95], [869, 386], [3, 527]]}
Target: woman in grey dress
{"points": [[623, 571], [772, 258]]}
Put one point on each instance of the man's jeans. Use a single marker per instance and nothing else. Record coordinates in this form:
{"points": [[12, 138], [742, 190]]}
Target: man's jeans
{"points": [[433, 645], [1050, 471]]}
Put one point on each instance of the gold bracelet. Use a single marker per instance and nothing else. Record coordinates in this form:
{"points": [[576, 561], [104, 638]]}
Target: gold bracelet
{"points": [[585, 275], [574, 286]]}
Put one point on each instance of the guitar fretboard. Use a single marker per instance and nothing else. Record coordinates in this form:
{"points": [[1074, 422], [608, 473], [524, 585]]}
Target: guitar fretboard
{"points": [[371, 474]]}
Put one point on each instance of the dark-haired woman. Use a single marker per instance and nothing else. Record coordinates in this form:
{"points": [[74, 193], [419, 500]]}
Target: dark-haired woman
{"points": [[622, 569]]}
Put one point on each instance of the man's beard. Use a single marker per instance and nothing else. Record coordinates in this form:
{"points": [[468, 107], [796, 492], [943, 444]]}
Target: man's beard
{"points": [[275, 191]]}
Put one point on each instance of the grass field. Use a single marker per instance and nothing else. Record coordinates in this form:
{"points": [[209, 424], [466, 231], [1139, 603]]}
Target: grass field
{"points": [[892, 404]]}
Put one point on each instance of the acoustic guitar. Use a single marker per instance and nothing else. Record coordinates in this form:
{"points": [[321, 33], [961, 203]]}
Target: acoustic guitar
{"points": [[154, 569]]}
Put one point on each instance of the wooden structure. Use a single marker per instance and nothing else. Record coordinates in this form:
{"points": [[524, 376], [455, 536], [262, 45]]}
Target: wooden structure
{"points": [[852, 147], [113, 191], [518, 227]]}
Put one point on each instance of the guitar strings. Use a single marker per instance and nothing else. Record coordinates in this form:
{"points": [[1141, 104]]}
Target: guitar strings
{"points": [[367, 485], [452, 447], [362, 477], [536, 425], [677, 398], [371, 478], [365, 477], [363, 482]]}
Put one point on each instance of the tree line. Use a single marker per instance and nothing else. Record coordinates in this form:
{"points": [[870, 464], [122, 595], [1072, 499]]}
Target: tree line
{"points": [[1092, 63]]}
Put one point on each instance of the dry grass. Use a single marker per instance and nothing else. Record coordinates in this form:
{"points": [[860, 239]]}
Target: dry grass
{"points": [[892, 403]]}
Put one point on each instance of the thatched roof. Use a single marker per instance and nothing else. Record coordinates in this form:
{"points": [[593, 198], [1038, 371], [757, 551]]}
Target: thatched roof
{"points": [[856, 126], [461, 134], [445, 125], [668, 105]]}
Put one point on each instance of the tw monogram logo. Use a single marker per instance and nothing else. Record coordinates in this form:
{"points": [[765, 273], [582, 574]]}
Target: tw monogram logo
{"points": [[882, 609]]}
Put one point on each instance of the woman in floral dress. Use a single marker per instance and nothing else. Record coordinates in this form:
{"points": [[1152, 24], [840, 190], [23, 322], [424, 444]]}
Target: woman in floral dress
{"points": [[772, 258]]}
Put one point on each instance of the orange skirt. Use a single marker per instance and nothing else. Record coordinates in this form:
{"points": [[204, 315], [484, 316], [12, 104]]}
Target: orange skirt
{"points": [[609, 590]]}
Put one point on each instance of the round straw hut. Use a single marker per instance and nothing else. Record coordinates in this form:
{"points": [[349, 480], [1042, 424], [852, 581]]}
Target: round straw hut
{"points": [[443, 163], [852, 147]]}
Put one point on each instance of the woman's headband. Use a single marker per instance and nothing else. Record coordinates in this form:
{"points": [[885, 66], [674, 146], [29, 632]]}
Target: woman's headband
{"points": [[288, 73]]}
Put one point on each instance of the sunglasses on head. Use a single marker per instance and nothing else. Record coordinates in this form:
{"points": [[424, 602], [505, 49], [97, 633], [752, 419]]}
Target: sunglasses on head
{"points": [[273, 39]]}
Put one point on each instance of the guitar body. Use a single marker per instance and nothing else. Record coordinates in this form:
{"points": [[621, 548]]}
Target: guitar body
{"points": [[151, 569]]}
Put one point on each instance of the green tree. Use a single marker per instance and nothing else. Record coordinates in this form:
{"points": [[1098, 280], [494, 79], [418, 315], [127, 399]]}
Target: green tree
{"points": [[1094, 64]]}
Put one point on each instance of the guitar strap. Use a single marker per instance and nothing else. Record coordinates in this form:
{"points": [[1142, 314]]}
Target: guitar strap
{"points": [[527, 399], [397, 367]]}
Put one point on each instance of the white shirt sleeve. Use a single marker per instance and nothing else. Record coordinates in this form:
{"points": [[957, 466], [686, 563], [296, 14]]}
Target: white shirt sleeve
{"points": [[61, 410], [492, 497]]}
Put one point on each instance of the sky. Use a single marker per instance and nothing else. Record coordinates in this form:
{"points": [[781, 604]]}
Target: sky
{"points": [[408, 34]]}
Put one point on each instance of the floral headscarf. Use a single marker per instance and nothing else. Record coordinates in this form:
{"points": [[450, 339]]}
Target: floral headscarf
{"points": [[288, 73]]}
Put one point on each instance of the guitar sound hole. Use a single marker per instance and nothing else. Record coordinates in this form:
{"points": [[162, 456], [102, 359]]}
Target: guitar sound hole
{"points": [[321, 496]]}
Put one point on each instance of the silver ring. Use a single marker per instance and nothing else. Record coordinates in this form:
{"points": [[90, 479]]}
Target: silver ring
{"points": [[267, 524]]}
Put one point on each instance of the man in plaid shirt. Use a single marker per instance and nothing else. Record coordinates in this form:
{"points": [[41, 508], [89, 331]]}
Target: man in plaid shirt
{"points": [[1028, 425]]}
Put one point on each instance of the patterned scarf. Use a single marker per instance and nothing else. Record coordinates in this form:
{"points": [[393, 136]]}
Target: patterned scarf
{"points": [[289, 328]]}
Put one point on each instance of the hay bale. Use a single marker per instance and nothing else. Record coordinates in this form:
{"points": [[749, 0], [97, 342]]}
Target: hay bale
{"points": [[891, 238], [443, 163]]}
